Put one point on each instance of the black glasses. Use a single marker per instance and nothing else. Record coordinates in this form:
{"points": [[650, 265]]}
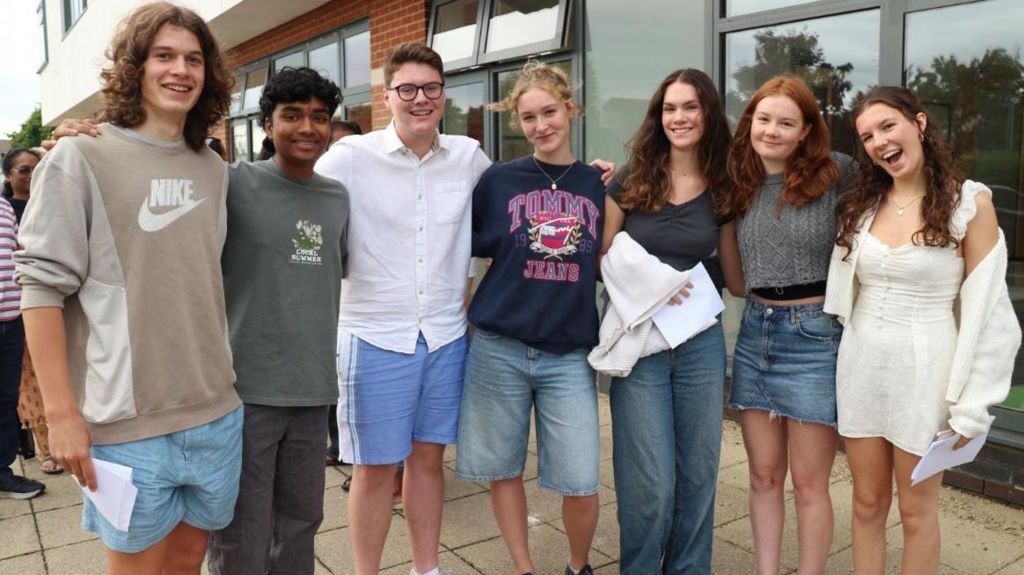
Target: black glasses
{"points": [[407, 92], [23, 171]]}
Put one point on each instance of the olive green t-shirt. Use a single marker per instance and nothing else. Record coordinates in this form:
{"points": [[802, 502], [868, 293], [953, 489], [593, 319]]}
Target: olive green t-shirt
{"points": [[283, 261]]}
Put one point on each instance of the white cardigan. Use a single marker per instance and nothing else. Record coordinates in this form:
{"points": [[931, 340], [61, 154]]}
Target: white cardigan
{"points": [[639, 284], [988, 337]]}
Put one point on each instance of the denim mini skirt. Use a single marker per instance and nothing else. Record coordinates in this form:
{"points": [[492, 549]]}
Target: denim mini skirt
{"points": [[785, 362]]}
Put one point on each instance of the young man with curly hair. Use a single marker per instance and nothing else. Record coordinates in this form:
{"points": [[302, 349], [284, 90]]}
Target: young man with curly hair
{"points": [[123, 295], [283, 262]]}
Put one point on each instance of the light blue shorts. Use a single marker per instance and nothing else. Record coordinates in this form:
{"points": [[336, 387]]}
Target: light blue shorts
{"points": [[387, 399], [190, 475], [505, 380], [785, 362]]}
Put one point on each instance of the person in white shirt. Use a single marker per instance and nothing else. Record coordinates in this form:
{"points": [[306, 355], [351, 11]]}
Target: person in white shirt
{"points": [[402, 325]]}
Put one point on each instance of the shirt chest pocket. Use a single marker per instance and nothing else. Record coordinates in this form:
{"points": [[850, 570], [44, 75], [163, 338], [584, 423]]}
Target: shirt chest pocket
{"points": [[450, 201]]}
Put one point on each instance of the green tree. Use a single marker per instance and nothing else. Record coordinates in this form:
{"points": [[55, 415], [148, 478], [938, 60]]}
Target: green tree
{"points": [[32, 132]]}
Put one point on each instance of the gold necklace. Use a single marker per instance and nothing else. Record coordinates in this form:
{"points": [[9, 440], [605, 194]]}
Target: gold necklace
{"points": [[554, 182], [900, 210]]}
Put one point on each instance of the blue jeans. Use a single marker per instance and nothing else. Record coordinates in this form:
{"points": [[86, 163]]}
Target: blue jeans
{"points": [[12, 347], [667, 432]]}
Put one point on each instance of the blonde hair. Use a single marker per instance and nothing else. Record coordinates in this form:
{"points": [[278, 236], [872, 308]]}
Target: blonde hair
{"points": [[534, 74]]}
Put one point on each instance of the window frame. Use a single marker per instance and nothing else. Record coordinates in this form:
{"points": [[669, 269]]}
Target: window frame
{"points": [[68, 18], [480, 57], [41, 10]]}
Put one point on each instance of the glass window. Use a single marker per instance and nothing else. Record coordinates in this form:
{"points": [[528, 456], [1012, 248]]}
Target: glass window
{"points": [[256, 129], [973, 85], [254, 81], [739, 7], [295, 60], [325, 60], [240, 140], [73, 10], [464, 111], [455, 30], [511, 141], [41, 19], [236, 93], [837, 56], [357, 60], [361, 114], [624, 68], [515, 23]]}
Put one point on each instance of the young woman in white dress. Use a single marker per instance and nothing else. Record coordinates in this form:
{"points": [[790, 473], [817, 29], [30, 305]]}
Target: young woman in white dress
{"points": [[911, 233]]}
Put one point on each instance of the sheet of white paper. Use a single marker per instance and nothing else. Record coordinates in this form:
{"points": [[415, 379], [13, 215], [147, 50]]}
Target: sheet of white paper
{"points": [[678, 323], [115, 494], [941, 456]]}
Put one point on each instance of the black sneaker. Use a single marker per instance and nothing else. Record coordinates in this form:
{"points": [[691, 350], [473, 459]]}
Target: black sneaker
{"points": [[585, 570], [17, 487]]}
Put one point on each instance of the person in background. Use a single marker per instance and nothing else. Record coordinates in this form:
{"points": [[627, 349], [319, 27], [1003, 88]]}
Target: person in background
{"points": [[163, 401], [534, 324], [787, 188], [918, 278], [667, 414], [18, 165], [342, 128]]}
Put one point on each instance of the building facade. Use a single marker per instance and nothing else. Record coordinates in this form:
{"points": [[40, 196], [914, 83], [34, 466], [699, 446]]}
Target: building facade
{"points": [[964, 58]]}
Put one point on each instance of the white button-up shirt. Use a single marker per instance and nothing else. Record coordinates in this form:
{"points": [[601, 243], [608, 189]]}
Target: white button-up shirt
{"points": [[409, 236]]}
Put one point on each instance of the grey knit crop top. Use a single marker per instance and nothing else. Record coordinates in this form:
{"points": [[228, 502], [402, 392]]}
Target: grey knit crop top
{"points": [[793, 246]]}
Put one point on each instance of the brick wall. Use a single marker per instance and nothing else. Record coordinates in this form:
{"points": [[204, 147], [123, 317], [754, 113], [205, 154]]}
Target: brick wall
{"points": [[392, 22]]}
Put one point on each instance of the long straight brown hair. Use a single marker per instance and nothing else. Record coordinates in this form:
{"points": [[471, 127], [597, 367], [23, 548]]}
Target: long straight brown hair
{"points": [[810, 170]]}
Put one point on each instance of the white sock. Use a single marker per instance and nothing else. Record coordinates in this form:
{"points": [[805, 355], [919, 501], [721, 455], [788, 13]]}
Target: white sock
{"points": [[434, 571]]}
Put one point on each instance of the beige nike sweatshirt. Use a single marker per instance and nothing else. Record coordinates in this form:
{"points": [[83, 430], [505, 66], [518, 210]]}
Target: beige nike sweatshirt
{"points": [[125, 233]]}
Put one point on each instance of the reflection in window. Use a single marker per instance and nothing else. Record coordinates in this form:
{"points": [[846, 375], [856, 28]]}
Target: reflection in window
{"points": [[325, 60], [240, 140], [254, 82], [464, 111], [516, 23], [295, 60], [236, 93], [739, 7], [624, 68], [258, 135], [511, 141], [972, 83], [455, 30], [837, 57], [357, 60], [361, 114]]}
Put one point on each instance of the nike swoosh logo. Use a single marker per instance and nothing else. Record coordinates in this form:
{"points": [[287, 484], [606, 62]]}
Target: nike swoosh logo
{"points": [[151, 222]]}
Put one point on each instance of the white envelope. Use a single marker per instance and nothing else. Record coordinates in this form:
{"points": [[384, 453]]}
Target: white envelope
{"points": [[941, 456], [679, 323], [115, 494]]}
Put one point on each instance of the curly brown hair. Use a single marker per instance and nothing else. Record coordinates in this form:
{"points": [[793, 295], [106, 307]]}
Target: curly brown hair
{"points": [[648, 185], [810, 170], [128, 51], [942, 177]]}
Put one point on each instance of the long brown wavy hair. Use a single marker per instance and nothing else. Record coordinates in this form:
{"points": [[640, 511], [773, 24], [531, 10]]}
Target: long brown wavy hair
{"points": [[649, 184], [810, 170], [942, 178], [128, 51]]}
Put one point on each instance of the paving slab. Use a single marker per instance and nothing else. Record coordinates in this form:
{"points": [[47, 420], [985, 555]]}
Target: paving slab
{"points": [[19, 536], [468, 520], [60, 527], [77, 559], [31, 564]]}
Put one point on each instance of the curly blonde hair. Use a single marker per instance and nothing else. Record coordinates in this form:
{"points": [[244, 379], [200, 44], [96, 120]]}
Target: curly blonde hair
{"points": [[128, 51], [534, 74]]}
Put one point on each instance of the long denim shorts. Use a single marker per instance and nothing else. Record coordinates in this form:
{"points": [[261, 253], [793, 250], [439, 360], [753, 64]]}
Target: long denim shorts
{"points": [[785, 362], [507, 379]]}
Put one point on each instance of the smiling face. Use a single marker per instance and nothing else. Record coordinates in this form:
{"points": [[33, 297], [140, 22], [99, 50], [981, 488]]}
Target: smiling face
{"points": [[300, 132], [20, 176], [173, 74], [682, 116], [416, 121], [892, 140], [546, 122], [776, 130]]}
